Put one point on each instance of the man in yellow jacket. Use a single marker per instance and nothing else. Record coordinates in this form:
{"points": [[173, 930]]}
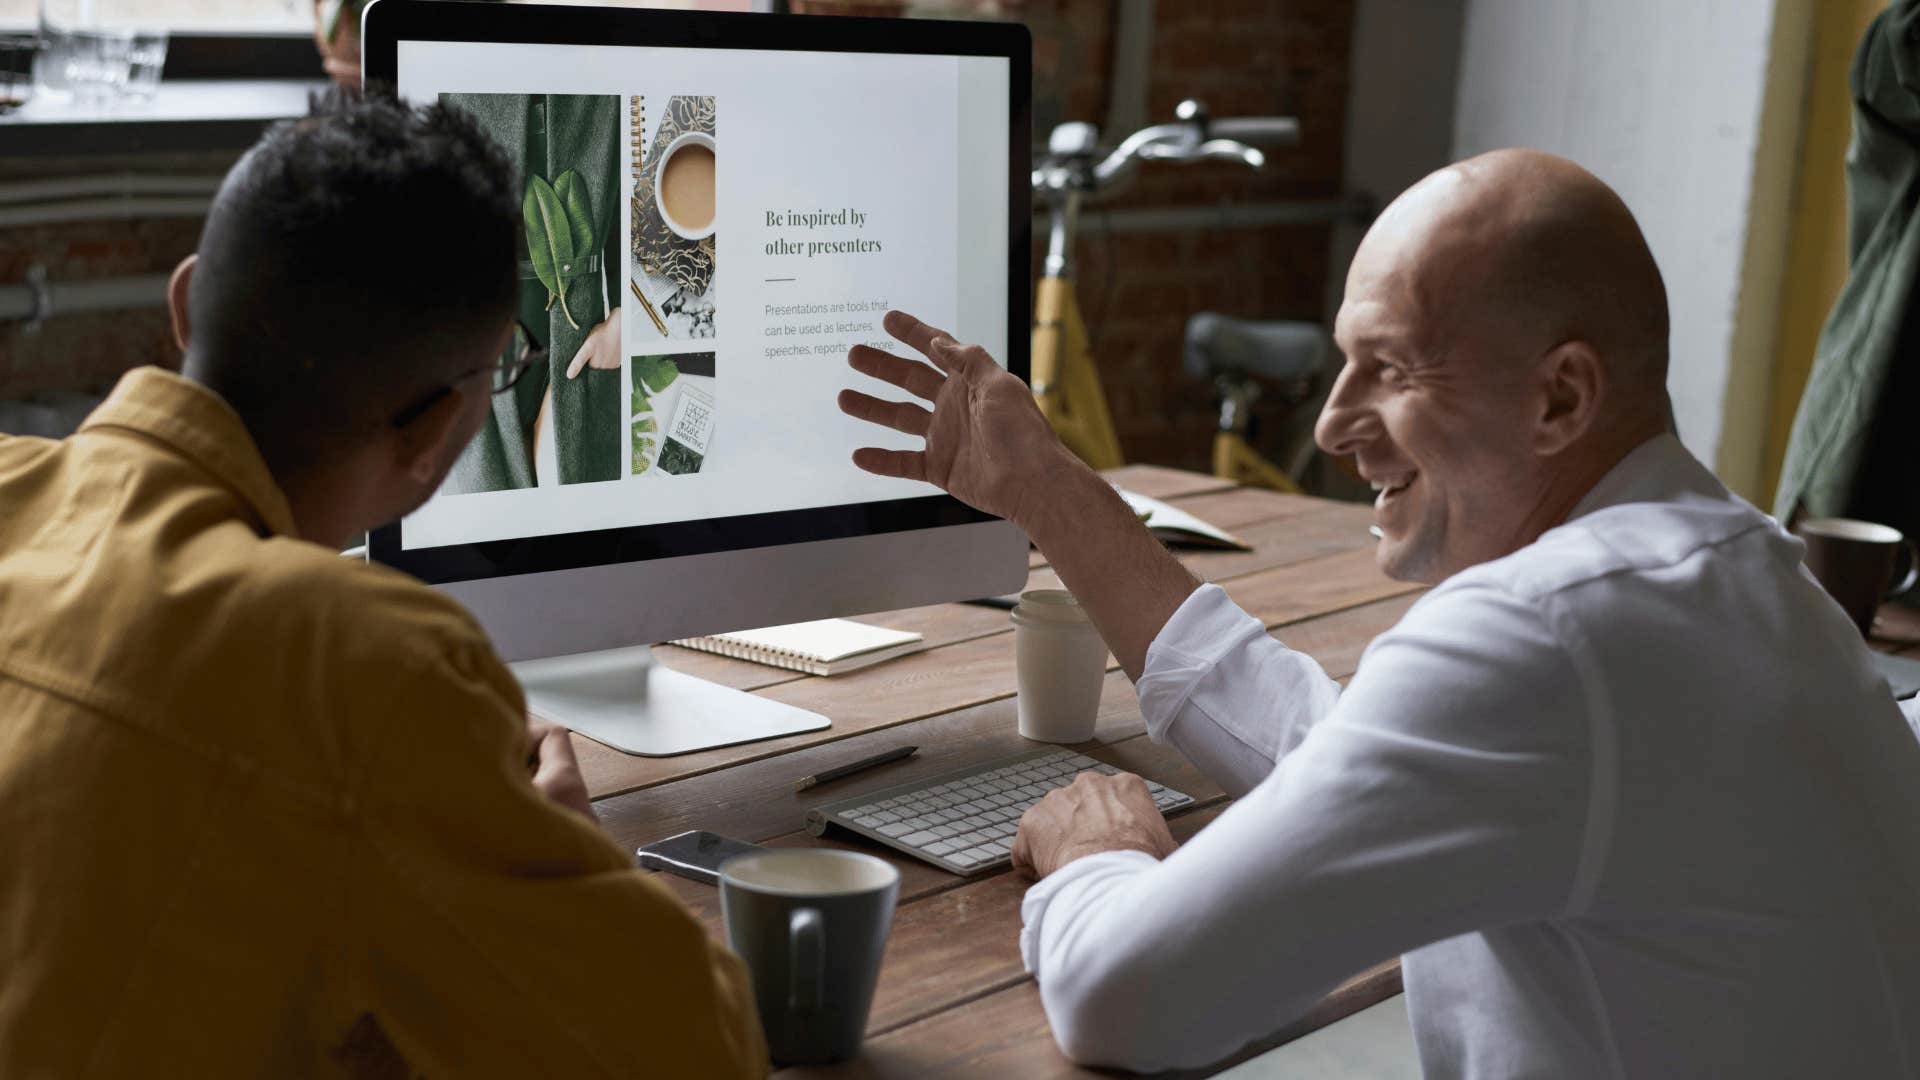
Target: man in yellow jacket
{"points": [[266, 811]]}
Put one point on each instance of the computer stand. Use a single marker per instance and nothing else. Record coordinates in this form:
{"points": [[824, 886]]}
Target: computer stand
{"points": [[623, 698]]}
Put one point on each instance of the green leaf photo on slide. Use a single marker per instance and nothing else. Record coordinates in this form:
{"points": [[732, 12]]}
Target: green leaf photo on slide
{"points": [[559, 222]]}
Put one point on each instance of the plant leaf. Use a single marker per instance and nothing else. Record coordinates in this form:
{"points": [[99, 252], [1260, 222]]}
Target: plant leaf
{"points": [[657, 372], [549, 237], [579, 207]]}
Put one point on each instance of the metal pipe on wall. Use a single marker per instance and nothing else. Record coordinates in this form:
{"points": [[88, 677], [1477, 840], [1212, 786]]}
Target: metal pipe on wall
{"points": [[39, 300]]}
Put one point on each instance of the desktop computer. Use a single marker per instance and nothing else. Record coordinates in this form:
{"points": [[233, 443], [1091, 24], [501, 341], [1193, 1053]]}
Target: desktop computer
{"points": [[716, 207]]}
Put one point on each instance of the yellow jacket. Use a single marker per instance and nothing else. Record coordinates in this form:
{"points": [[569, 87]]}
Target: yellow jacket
{"points": [[266, 811]]}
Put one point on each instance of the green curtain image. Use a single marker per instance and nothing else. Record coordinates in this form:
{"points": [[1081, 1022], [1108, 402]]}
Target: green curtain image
{"points": [[548, 136]]}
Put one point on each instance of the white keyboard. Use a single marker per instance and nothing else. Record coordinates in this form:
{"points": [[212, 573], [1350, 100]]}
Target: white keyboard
{"points": [[964, 821]]}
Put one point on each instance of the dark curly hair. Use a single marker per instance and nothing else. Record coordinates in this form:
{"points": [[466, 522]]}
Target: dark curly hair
{"points": [[353, 260]]}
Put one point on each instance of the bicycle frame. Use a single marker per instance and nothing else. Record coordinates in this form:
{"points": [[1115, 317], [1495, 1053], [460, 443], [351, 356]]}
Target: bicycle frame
{"points": [[1066, 384]]}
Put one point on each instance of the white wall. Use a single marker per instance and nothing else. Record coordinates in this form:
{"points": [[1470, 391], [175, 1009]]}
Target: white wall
{"points": [[1662, 100], [1404, 69]]}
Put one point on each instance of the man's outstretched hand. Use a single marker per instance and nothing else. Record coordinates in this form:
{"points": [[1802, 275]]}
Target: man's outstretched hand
{"points": [[987, 443]]}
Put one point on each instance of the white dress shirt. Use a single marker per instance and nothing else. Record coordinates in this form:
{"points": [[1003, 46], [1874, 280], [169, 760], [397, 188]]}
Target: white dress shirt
{"points": [[1631, 802]]}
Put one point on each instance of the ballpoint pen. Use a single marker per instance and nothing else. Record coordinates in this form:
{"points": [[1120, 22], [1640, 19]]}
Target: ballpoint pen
{"points": [[852, 767]]}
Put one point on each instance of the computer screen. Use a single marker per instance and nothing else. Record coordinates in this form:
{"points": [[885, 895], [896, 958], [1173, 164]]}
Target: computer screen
{"points": [[706, 231]]}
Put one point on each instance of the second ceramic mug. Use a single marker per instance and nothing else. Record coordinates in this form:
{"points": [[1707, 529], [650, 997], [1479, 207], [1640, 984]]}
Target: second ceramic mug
{"points": [[1855, 562], [811, 924]]}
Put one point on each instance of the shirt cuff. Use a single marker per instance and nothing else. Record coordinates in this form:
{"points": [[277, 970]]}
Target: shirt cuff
{"points": [[1207, 626], [1095, 872]]}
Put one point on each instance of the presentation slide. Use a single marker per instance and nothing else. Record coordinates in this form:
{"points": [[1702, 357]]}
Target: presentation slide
{"points": [[705, 234]]}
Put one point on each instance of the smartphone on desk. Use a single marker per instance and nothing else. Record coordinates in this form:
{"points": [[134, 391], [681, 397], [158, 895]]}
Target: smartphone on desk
{"points": [[696, 854]]}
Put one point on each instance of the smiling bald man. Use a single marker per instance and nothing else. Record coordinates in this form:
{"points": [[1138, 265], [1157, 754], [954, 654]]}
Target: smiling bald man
{"points": [[1622, 788]]}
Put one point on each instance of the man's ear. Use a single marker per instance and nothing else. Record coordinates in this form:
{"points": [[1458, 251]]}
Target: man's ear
{"points": [[179, 292], [1573, 383], [418, 446]]}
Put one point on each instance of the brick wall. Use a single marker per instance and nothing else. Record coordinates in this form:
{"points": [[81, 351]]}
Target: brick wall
{"points": [[1242, 57], [88, 351]]}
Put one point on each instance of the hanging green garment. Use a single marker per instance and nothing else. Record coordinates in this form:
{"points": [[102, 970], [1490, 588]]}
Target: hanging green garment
{"points": [[1855, 447], [549, 135]]}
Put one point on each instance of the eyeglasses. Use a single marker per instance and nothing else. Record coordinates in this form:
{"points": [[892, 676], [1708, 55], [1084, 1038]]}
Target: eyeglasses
{"points": [[526, 352]]}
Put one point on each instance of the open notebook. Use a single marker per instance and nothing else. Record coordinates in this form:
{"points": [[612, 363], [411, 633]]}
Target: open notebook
{"points": [[1175, 526], [821, 647]]}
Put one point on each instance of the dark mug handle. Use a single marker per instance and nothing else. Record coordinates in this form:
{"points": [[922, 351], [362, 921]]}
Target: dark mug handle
{"points": [[1913, 572], [808, 964]]}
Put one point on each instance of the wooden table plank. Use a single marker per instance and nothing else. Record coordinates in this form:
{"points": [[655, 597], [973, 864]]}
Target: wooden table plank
{"points": [[1005, 1034], [1159, 482], [1237, 508]]}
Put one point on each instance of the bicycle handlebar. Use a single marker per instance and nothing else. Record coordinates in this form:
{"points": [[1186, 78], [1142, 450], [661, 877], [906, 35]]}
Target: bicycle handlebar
{"points": [[1263, 130], [1194, 137]]}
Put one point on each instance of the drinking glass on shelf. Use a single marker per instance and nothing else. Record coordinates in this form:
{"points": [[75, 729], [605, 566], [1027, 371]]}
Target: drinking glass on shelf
{"points": [[96, 64], [146, 56]]}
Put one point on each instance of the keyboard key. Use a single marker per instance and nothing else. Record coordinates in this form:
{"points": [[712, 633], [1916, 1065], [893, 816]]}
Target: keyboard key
{"points": [[942, 847], [983, 853], [894, 828], [999, 849], [963, 860], [870, 821], [918, 838]]}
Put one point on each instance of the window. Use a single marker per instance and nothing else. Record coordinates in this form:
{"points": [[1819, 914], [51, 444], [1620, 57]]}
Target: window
{"points": [[262, 15], [201, 15]]}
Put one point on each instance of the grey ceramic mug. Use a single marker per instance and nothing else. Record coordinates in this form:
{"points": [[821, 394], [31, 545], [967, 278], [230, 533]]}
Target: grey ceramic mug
{"points": [[811, 924]]}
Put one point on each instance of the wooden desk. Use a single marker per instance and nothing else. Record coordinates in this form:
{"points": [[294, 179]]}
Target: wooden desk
{"points": [[953, 997]]}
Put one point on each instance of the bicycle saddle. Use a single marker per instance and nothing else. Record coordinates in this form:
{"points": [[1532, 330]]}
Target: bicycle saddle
{"points": [[1222, 345]]}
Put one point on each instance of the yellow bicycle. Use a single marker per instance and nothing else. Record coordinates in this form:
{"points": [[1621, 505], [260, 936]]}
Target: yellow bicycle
{"points": [[1066, 381]]}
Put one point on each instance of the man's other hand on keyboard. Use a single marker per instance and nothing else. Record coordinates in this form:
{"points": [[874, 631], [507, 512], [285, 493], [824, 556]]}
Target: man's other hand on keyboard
{"points": [[1095, 813]]}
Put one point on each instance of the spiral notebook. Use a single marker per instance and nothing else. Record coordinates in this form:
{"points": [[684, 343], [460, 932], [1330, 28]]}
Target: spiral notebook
{"points": [[821, 647]]}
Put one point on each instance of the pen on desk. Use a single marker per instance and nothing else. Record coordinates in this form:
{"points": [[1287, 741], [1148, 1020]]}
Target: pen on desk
{"points": [[647, 306], [852, 767]]}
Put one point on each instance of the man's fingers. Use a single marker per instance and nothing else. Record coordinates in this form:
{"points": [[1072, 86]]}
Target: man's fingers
{"points": [[906, 464], [555, 751], [901, 416], [1022, 857], [914, 332], [912, 376]]}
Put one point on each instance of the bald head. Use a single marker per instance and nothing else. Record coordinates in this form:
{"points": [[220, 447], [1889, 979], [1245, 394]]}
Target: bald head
{"points": [[1518, 251], [1505, 334]]}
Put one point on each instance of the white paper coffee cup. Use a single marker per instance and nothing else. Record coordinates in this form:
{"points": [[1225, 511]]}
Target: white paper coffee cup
{"points": [[1061, 664]]}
